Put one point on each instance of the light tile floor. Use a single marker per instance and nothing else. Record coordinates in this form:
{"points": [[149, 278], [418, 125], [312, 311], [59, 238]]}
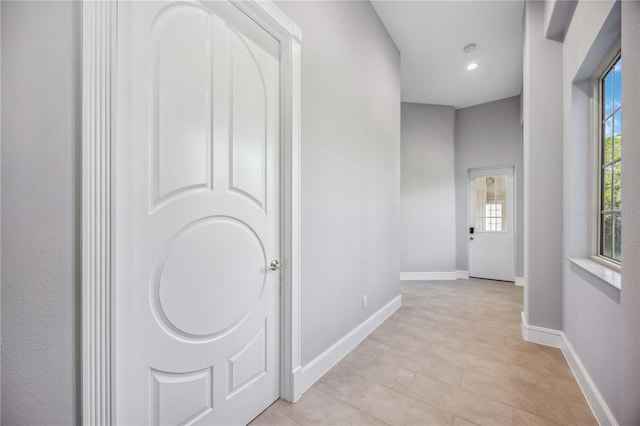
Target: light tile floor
{"points": [[452, 355]]}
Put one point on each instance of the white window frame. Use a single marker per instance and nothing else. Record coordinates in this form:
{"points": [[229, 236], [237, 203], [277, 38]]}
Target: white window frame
{"points": [[596, 154]]}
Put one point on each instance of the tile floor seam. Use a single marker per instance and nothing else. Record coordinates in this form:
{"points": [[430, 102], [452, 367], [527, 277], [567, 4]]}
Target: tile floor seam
{"points": [[398, 366], [354, 407], [453, 413], [468, 340], [393, 390], [384, 385], [538, 415], [522, 408], [509, 404]]}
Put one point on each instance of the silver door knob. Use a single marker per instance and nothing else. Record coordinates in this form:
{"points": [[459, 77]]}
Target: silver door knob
{"points": [[275, 265]]}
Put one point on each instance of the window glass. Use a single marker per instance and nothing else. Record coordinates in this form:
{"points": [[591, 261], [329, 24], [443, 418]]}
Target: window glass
{"points": [[491, 203], [611, 162]]}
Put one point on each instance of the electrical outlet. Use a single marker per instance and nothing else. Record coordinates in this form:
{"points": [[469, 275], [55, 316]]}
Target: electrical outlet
{"points": [[364, 301]]}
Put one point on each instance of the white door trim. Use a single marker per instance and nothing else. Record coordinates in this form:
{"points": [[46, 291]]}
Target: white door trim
{"points": [[99, 43]]}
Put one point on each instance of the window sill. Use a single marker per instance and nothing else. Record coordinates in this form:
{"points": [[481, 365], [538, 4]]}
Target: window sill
{"points": [[597, 269]]}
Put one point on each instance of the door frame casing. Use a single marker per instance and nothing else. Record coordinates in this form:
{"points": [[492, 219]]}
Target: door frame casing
{"points": [[480, 171], [99, 109]]}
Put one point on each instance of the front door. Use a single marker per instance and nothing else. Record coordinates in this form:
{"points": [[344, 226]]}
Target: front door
{"points": [[198, 211], [491, 225]]}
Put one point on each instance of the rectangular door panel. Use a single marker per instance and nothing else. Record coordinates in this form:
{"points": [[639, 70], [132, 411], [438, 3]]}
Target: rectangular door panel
{"points": [[181, 103]]}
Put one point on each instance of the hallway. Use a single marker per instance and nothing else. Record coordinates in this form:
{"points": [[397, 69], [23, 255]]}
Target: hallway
{"points": [[453, 354]]}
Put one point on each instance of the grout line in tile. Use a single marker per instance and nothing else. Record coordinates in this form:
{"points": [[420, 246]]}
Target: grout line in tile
{"points": [[353, 406]]}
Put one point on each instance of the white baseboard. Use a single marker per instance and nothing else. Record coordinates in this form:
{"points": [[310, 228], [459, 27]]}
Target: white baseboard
{"points": [[427, 276], [540, 335], [557, 339], [310, 373], [519, 281], [597, 403], [462, 275]]}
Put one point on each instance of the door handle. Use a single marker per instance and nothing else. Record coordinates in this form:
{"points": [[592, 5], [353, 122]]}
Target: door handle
{"points": [[275, 265], [471, 238]]}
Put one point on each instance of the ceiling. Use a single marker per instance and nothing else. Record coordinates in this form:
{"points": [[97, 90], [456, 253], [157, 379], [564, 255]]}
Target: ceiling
{"points": [[431, 36]]}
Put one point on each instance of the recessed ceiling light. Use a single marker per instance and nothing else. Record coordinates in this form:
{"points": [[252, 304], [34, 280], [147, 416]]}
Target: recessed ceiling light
{"points": [[472, 66]]}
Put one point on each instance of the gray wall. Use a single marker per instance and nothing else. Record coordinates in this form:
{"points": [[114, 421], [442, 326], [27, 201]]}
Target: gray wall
{"points": [[427, 225], [542, 117], [629, 365], [590, 307], [40, 211], [487, 135], [350, 168]]}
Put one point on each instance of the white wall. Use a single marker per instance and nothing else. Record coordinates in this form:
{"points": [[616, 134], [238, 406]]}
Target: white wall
{"points": [[427, 225], [40, 211], [487, 135], [350, 168], [542, 120]]}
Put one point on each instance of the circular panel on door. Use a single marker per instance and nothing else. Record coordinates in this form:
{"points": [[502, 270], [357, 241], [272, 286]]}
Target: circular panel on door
{"points": [[209, 279]]}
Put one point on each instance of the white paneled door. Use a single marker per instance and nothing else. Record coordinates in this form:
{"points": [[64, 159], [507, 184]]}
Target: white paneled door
{"points": [[198, 211], [491, 224]]}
